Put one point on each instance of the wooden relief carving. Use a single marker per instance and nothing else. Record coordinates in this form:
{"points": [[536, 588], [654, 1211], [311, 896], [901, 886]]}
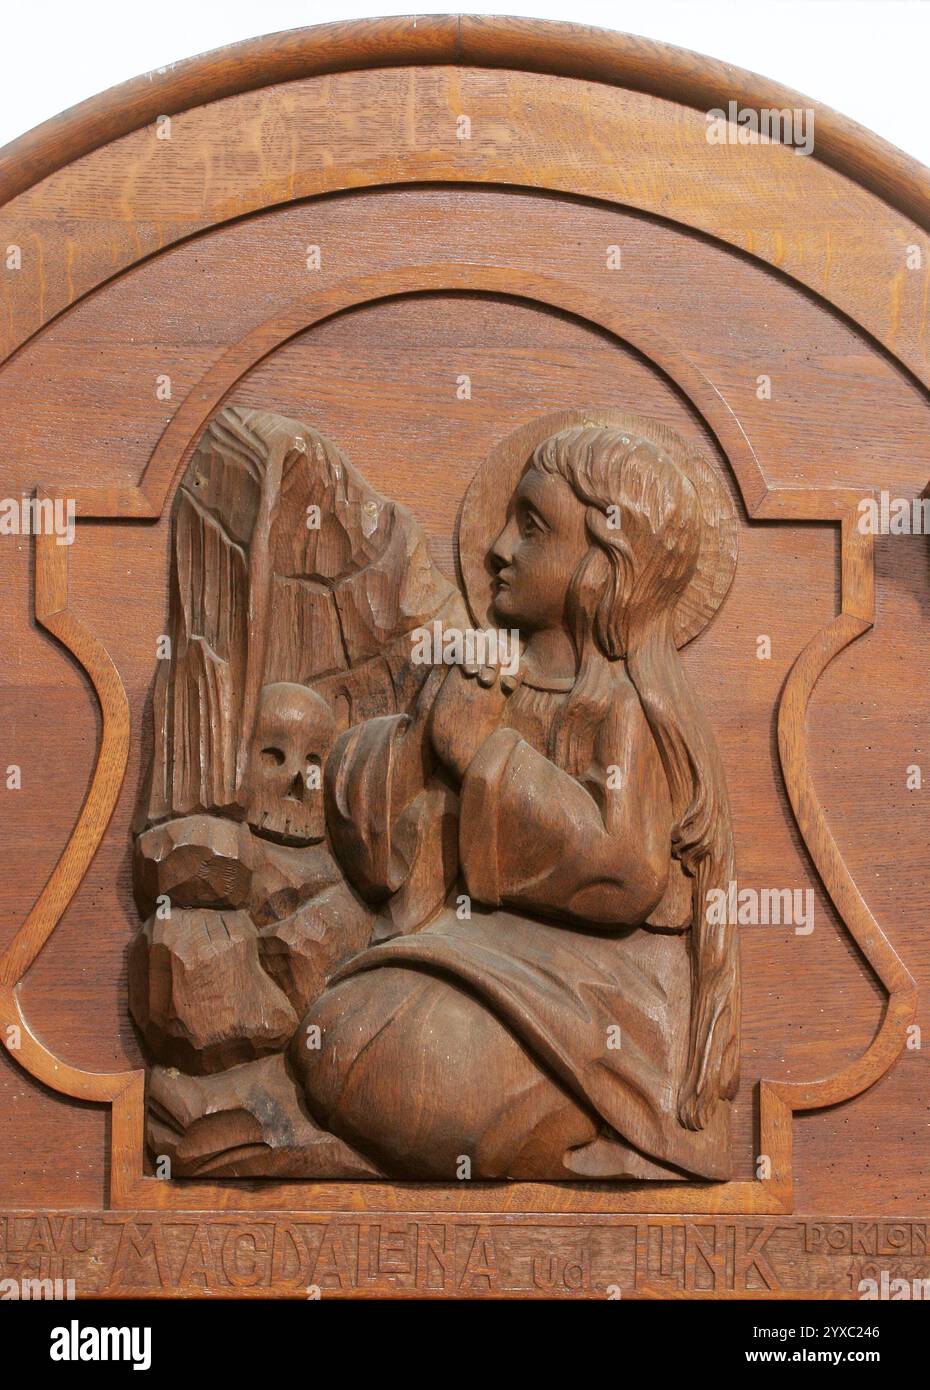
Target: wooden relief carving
{"points": [[423, 892], [294, 588], [383, 949]]}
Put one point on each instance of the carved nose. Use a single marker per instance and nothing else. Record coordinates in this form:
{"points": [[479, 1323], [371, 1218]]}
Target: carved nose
{"points": [[501, 552], [295, 791]]}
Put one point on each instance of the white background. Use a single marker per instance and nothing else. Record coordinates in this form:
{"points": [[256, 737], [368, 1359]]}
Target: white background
{"points": [[869, 59]]}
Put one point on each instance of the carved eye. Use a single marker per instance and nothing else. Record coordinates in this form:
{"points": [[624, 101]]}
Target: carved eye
{"points": [[272, 757], [530, 522]]}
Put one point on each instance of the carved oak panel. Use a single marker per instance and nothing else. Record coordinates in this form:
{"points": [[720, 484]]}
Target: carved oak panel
{"points": [[488, 556]]}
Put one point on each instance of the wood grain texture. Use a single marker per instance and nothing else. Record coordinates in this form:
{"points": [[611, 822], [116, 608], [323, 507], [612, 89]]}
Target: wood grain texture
{"points": [[528, 135], [488, 770], [493, 266], [566, 50], [775, 1135]]}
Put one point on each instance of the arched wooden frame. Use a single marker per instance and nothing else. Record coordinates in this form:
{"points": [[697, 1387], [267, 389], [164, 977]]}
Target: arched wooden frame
{"points": [[478, 43]]}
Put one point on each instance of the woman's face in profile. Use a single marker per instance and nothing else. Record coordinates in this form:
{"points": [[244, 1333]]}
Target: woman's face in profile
{"points": [[537, 553]]}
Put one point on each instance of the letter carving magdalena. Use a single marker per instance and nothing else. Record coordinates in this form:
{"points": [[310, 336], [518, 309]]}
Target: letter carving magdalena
{"points": [[423, 868]]}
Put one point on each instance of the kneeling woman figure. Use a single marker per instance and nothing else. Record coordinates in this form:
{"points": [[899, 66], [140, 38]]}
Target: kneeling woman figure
{"points": [[567, 1011]]}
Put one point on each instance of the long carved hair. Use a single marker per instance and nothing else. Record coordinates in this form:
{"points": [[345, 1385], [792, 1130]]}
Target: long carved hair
{"points": [[643, 520]]}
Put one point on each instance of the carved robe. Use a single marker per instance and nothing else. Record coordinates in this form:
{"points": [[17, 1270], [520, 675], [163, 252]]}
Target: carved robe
{"points": [[572, 968]]}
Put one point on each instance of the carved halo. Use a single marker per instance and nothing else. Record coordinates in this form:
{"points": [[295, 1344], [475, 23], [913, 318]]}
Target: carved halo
{"points": [[491, 488]]}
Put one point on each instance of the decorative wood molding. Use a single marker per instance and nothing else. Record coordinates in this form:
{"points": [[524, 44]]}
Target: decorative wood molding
{"points": [[445, 44], [197, 399], [534, 45], [778, 1099]]}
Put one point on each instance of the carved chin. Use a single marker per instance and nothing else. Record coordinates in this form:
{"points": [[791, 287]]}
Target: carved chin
{"points": [[503, 605]]}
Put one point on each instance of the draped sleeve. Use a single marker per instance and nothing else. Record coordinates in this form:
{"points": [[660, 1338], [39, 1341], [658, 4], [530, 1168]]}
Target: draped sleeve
{"points": [[360, 777], [593, 849], [392, 822]]}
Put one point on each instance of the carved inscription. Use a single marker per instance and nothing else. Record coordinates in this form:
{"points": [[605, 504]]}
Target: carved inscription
{"points": [[151, 1253]]}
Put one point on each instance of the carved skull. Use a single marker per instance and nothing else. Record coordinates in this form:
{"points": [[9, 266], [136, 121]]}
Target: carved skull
{"points": [[293, 735]]}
